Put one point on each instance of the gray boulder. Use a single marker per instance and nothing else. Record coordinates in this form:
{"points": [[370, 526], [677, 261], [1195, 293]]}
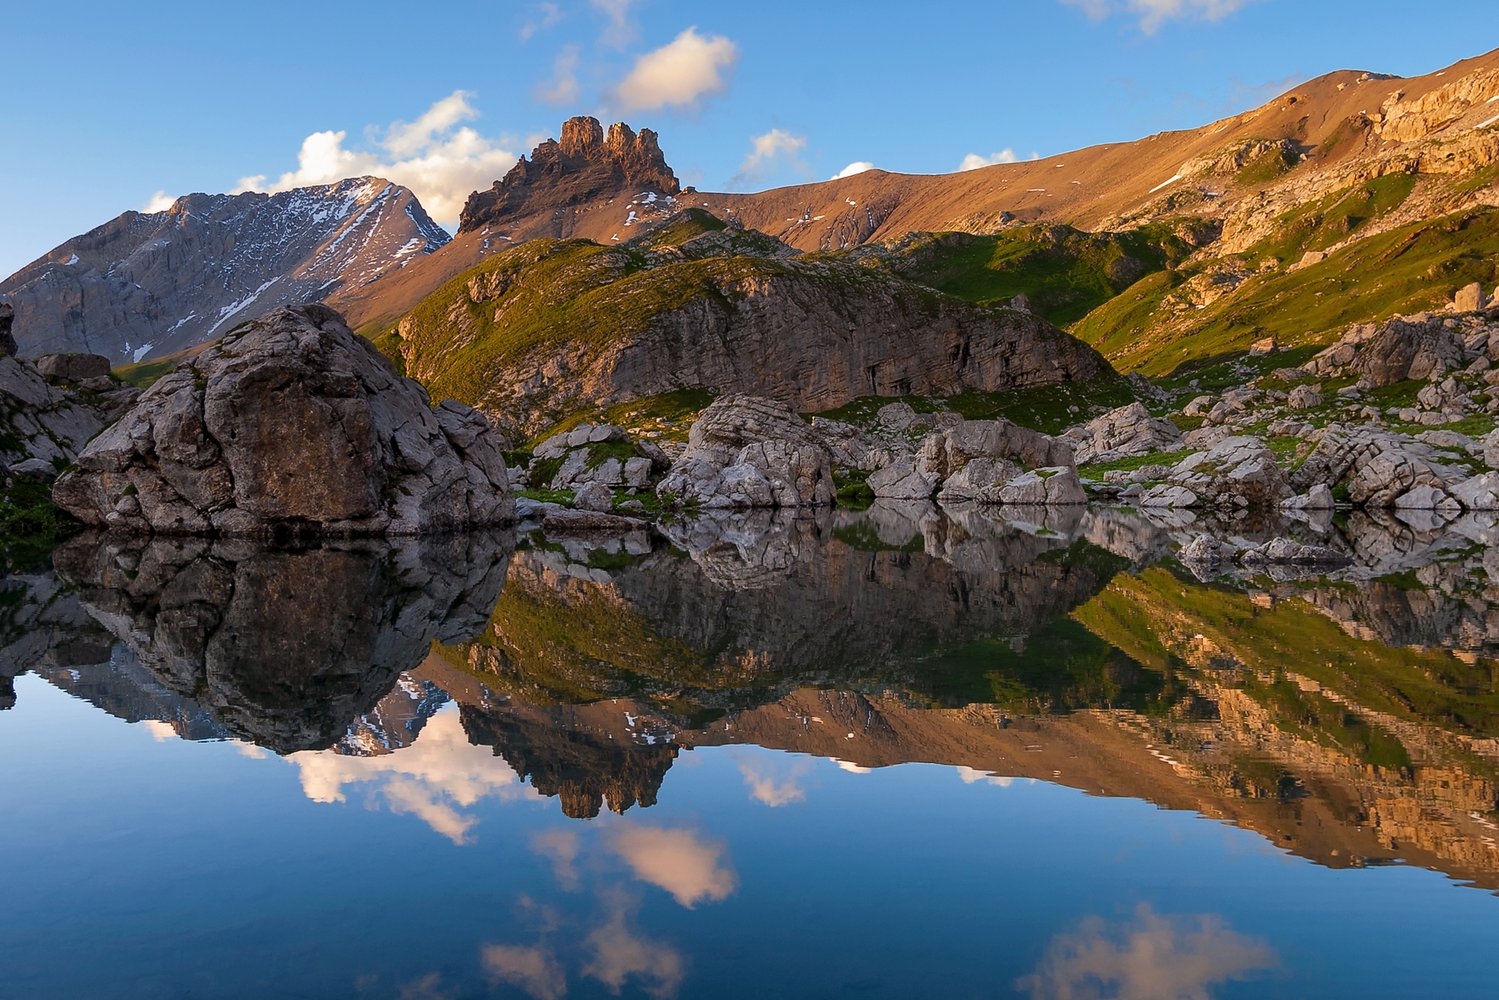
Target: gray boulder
{"points": [[1053, 487], [1238, 471], [1121, 433], [292, 425], [745, 451]]}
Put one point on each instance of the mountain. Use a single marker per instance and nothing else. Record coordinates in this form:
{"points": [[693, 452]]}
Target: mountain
{"points": [[1261, 223], [150, 284]]}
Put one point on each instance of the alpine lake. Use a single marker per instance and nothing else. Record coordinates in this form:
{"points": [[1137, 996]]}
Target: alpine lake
{"points": [[900, 752]]}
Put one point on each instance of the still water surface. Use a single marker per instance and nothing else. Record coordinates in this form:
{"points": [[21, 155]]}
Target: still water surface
{"points": [[892, 754]]}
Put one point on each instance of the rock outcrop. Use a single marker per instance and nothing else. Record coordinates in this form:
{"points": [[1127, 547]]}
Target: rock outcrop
{"points": [[550, 328], [291, 426], [42, 427], [750, 452], [583, 166]]}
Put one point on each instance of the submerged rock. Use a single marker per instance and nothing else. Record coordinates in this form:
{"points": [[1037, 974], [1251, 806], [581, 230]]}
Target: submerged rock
{"points": [[292, 425]]}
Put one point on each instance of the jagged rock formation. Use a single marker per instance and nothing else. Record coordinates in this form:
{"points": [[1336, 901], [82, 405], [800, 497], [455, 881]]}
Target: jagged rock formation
{"points": [[291, 426], [285, 648], [550, 328], [585, 166], [149, 284]]}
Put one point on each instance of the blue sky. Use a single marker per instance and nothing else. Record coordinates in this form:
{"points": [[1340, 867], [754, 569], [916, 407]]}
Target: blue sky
{"points": [[111, 106]]}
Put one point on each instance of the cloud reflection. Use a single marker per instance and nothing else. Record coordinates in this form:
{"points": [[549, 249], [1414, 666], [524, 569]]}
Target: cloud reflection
{"points": [[435, 779], [620, 954], [1149, 957], [679, 861], [769, 788], [535, 970]]}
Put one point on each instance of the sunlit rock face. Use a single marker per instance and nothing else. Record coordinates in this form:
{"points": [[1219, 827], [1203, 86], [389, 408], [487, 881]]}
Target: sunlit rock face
{"points": [[285, 648]]}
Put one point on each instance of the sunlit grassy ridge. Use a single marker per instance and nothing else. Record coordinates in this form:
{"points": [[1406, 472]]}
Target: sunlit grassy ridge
{"points": [[1405, 270]]}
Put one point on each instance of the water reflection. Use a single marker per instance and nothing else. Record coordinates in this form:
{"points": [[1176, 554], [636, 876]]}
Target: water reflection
{"points": [[1147, 957], [1351, 718]]}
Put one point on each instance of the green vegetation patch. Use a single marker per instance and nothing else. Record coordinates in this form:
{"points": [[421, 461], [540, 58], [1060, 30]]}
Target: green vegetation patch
{"points": [[1064, 272]]}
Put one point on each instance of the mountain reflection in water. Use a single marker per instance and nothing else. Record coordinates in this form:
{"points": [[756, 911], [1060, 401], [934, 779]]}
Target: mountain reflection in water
{"points": [[1350, 719]]}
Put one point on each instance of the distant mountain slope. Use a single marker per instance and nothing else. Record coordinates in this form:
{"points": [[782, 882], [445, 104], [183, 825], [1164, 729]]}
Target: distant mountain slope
{"points": [[1230, 183], [149, 284]]}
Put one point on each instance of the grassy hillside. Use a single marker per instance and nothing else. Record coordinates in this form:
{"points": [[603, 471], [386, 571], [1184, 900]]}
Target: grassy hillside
{"points": [[1064, 272], [1405, 270]]}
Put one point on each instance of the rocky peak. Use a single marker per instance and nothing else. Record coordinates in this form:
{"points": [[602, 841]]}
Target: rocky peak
{"points": [[584, 165]]}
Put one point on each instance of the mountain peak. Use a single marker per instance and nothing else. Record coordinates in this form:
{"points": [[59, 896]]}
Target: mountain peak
{"points": [[584, 165]]}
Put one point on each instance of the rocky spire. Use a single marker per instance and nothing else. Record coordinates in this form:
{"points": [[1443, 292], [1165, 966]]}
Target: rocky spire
{"points": [[584, 165]]}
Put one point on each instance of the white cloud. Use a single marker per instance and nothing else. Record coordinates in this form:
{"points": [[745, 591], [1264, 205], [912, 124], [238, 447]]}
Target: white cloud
{"points": [[856, 167], [766, 150], [679, 73], [534, 970], [435, 156], [1151, 957], [160, 202], [689, 868], [1154, 13], [435, 779], [974, 160], [546, 15], [564, 87]]}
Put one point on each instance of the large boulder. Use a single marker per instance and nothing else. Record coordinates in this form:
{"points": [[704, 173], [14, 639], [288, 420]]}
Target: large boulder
{"points": [[72, 367], [945, 451], [291, 425], [1122, 433], [1416, 347], [745, 451], [1239, 471]]}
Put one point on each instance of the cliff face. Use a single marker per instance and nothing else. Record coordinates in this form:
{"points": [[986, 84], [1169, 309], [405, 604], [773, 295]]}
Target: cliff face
{"points": [[586, 165], [149, 284], [549, 328]]}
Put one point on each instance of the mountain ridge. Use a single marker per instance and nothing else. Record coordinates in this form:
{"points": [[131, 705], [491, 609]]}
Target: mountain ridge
{"points": [[150, 284]]}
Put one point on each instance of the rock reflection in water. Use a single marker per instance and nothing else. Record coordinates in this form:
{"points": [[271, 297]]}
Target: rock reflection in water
{"points": [[285, 648], [1350, 717]]}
